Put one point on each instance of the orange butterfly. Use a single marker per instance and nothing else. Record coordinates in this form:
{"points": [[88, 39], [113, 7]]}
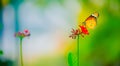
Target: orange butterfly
{"points": [[91, 21]]}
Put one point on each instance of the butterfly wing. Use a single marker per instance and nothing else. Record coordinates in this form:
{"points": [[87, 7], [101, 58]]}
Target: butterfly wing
{"points": [[91, 22]]}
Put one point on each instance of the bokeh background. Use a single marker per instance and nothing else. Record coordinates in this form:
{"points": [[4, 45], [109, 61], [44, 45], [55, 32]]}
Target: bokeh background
{"points": [[50, 23]]}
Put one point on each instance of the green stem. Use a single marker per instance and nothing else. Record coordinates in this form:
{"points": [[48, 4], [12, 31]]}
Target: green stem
{"points": [[78, 49], [21, 55]]}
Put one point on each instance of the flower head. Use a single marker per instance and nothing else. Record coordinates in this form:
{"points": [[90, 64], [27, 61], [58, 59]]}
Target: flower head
{"points": [[26, 33], [84, 30], [74, 33]]}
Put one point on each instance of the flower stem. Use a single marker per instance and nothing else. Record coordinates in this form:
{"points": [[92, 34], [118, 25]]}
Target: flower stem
{"points": [[78, 49], [21, 55]]}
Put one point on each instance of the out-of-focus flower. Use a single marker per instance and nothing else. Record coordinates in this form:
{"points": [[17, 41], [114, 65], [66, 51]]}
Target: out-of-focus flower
{"points": [[21, 35], [84, 30], [26, 33], [74, 33]]}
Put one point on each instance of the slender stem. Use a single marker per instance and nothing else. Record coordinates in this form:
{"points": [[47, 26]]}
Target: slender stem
{"points": [[78, 48], [21, 55]]}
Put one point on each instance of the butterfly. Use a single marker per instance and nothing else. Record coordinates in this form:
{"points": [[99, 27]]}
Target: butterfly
{"points": [[91, 21]]}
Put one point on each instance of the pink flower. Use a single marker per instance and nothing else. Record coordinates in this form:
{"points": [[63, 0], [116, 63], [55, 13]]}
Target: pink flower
{"points": [[26, 33]]}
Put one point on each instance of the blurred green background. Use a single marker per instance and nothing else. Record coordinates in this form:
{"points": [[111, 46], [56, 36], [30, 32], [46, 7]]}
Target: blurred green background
{"points": [[50, 23]]}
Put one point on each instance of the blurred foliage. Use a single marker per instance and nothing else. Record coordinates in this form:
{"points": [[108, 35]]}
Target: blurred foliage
{"points": [[1, 26], [1, 52], [6, 62], [70, 59], [45, 3]]}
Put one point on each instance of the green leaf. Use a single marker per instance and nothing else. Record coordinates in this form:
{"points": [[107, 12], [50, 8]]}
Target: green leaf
{"points": [[1, 52], [70, 59]]}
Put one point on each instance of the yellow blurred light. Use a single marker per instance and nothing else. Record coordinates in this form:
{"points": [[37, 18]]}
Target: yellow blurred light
{"points": [[5, 2]]}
